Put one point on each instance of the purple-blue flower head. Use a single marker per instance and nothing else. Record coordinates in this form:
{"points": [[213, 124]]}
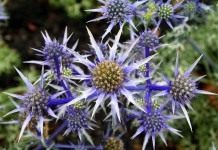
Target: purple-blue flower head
{"points": [[57, 56], [33, 104], [184, 88], [110, 76], [168, 13], [118, 12], [153, 123], [193, 7], [78, 121], [148, 39]]}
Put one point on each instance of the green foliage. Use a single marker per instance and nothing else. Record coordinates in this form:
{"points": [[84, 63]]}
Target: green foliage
{"points": [[204, 121], [74, 8], [9, 58]]}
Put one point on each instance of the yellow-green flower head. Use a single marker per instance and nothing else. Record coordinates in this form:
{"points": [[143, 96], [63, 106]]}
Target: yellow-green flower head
{"points": [[108, 76], [151, 9], [165, 11], [114, 143]]}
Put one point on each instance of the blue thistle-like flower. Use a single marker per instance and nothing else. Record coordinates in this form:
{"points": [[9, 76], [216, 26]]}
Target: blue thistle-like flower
{"points": [[148, 39], [153, 123], [3, 16], [184, 88], [57, 55], [33, 104], [118, 12], [109, 77], [167, 12], [193, 7], [78, 120]]}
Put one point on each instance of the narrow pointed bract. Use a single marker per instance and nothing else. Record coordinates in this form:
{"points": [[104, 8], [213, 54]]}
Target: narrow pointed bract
{"points": [[109, 76]]}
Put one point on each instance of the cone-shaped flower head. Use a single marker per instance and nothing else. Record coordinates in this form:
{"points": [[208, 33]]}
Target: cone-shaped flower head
{"points": [[114, 143], [167, 12], [193, 7], [190, 6], [183, 88], [78, 120], [148, 39], [118, 12], [34, 104], [153, 123], [56, 54], [110, 76]]}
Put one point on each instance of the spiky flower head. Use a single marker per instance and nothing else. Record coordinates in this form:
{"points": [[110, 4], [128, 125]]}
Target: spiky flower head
{"points": [[118, 12], [193, 7], [150, 11], [165, 11], [53, 49], [114, 143], [77, 119], [153, 123], [35, 102], [148, 39], [108, 76], [168, 13], [190, 7], [56, 55], [183, 89]]}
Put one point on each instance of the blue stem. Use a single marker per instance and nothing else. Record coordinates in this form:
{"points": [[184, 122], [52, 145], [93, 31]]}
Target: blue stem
{"points": [[66, 88], [57, 67], [59, 101], [136, 88], [148, 82], [159, 87], [56, 132]]}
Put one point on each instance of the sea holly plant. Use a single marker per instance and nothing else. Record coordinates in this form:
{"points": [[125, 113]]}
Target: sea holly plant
{"points": [[115, 85]]}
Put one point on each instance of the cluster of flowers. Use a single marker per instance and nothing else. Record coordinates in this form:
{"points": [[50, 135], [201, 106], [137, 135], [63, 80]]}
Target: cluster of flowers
{"points": [[115, 83]]}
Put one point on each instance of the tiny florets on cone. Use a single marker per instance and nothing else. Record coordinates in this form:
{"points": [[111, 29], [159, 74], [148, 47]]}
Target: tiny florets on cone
{"points": [[118, 10], [182, 89], [108, 76], [165, 11], [36, 102], [114, 143]]}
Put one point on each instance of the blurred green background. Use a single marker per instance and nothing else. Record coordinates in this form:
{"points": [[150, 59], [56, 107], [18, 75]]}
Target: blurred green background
{"points": [[29, 17]]}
